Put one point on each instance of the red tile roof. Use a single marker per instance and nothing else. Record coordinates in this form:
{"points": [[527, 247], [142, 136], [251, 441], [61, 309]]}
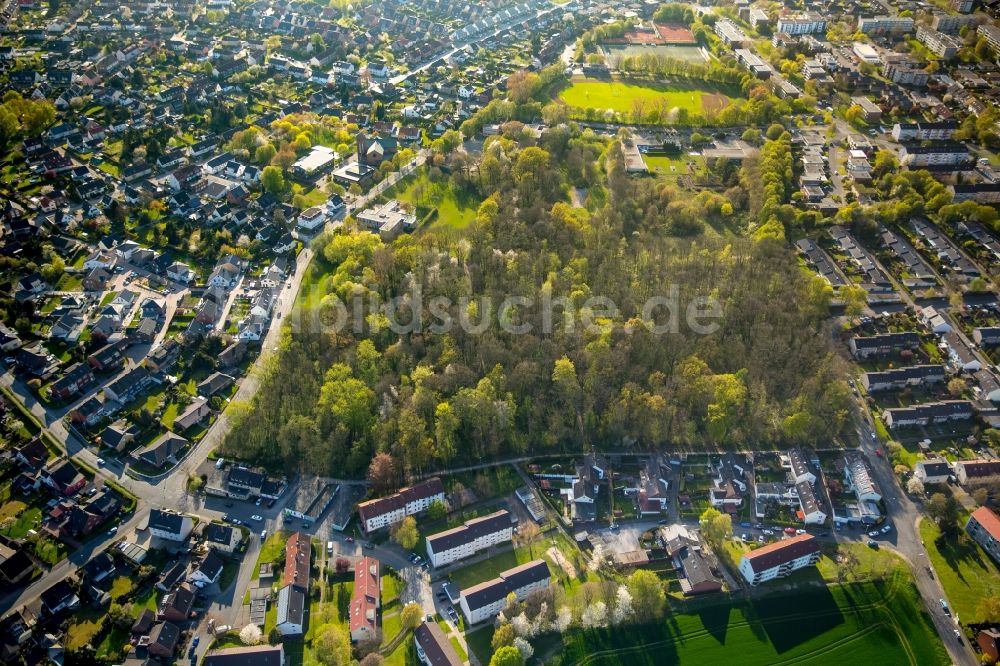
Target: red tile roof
{"points": [[780, 552], [365, 599], [383, 505], [989, 521], [298, 554]]}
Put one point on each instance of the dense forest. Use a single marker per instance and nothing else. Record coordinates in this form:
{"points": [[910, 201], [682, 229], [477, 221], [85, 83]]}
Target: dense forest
{"points": [[332, 397]]}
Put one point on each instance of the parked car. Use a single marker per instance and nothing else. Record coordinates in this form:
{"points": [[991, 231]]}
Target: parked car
{"points": [[958, 635], [767, 532], [886, 529], [873, 544], [100, 462], [194, 643], [329, 547], [263, 534], [790, 531], [873, 533], [944, 607], [350, 539], [256, 518]]}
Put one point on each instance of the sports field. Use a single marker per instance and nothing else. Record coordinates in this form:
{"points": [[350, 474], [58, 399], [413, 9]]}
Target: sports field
{"points": [[880, 622], [622, 97]]}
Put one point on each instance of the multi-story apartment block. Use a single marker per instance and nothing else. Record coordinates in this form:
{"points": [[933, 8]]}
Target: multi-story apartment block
{"points": [[984, 527], [938, 43], [928, 413], [944, 154], [951, 24], [466, 540], [977, 471], [779, 559], [962, 6], [730, 33], [899, 378], [939, 131], [384, 511], [902, 70], [801, 24], [885, 24], [991, 33], [883, 344], [483, 602]]}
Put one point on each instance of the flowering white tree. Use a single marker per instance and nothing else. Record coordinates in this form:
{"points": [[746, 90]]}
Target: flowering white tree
{"points": [[597, 559], [623, 606], [524, 647], [541, 624], [915, 486], [564, 618], [595, 615], [522, 626], [250, 634]]}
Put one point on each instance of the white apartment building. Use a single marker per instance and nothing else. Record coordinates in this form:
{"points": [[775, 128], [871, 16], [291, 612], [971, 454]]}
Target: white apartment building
{"points": [[884, 24], [482, 602], [801, 24], [938, 43], [384, 511], [730, 33], [779, 559], [939, 131], [466, 540], [949, 154]]}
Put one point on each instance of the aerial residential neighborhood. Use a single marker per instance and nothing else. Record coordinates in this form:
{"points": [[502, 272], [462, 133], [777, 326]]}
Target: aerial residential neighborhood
{"points": [[499, 333]]}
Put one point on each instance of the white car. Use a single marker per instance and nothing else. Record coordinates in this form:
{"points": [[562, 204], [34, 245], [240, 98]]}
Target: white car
{"points": [[100, 462], [263, 535], [256, 518], [886, 529]]}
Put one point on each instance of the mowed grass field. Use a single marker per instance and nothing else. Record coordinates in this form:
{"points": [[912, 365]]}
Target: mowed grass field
{"points": [[966, 572], [622, 97], [880, 622]]}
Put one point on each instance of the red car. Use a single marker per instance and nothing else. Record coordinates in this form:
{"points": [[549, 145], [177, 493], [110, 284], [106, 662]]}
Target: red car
{"points": [[878, 452], [790, 530], [350, 539]]}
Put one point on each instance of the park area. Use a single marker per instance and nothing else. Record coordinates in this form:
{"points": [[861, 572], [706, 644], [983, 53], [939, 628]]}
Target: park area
{"points": [[625, 97]]}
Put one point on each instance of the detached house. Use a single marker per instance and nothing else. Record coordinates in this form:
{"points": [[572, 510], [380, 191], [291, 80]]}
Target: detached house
{"points": [[169, 525]]}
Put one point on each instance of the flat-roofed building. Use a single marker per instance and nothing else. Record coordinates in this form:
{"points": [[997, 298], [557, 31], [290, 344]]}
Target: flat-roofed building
{"points": [[730, 33], [317, 162], [885, 24], [801, 23]]}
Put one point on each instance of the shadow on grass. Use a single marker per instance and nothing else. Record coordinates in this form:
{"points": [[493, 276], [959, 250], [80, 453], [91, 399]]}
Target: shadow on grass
{"points": [[774, 615]]}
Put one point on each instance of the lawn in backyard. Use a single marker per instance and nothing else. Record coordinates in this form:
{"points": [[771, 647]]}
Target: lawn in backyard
{"points": [[85, 625], [966, 572], [881, 622], [24, 519], [622, 97], [455, 210], [494, 566], [273, 550]]}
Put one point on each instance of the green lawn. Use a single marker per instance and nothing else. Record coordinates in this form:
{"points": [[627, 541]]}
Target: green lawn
{"points": [[23, 519], [879, 622], [491, 568], [273, 550], [966, 572], [622, 97], [454, 210], [86, 623], [390, 588], [480, 643], [120, 587], [145, 600]]}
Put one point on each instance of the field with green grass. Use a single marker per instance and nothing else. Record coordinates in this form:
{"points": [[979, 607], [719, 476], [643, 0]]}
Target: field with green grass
{"points": [[966, 572], [491, 568], [623, 97], [881, 622], [455, 210]]}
